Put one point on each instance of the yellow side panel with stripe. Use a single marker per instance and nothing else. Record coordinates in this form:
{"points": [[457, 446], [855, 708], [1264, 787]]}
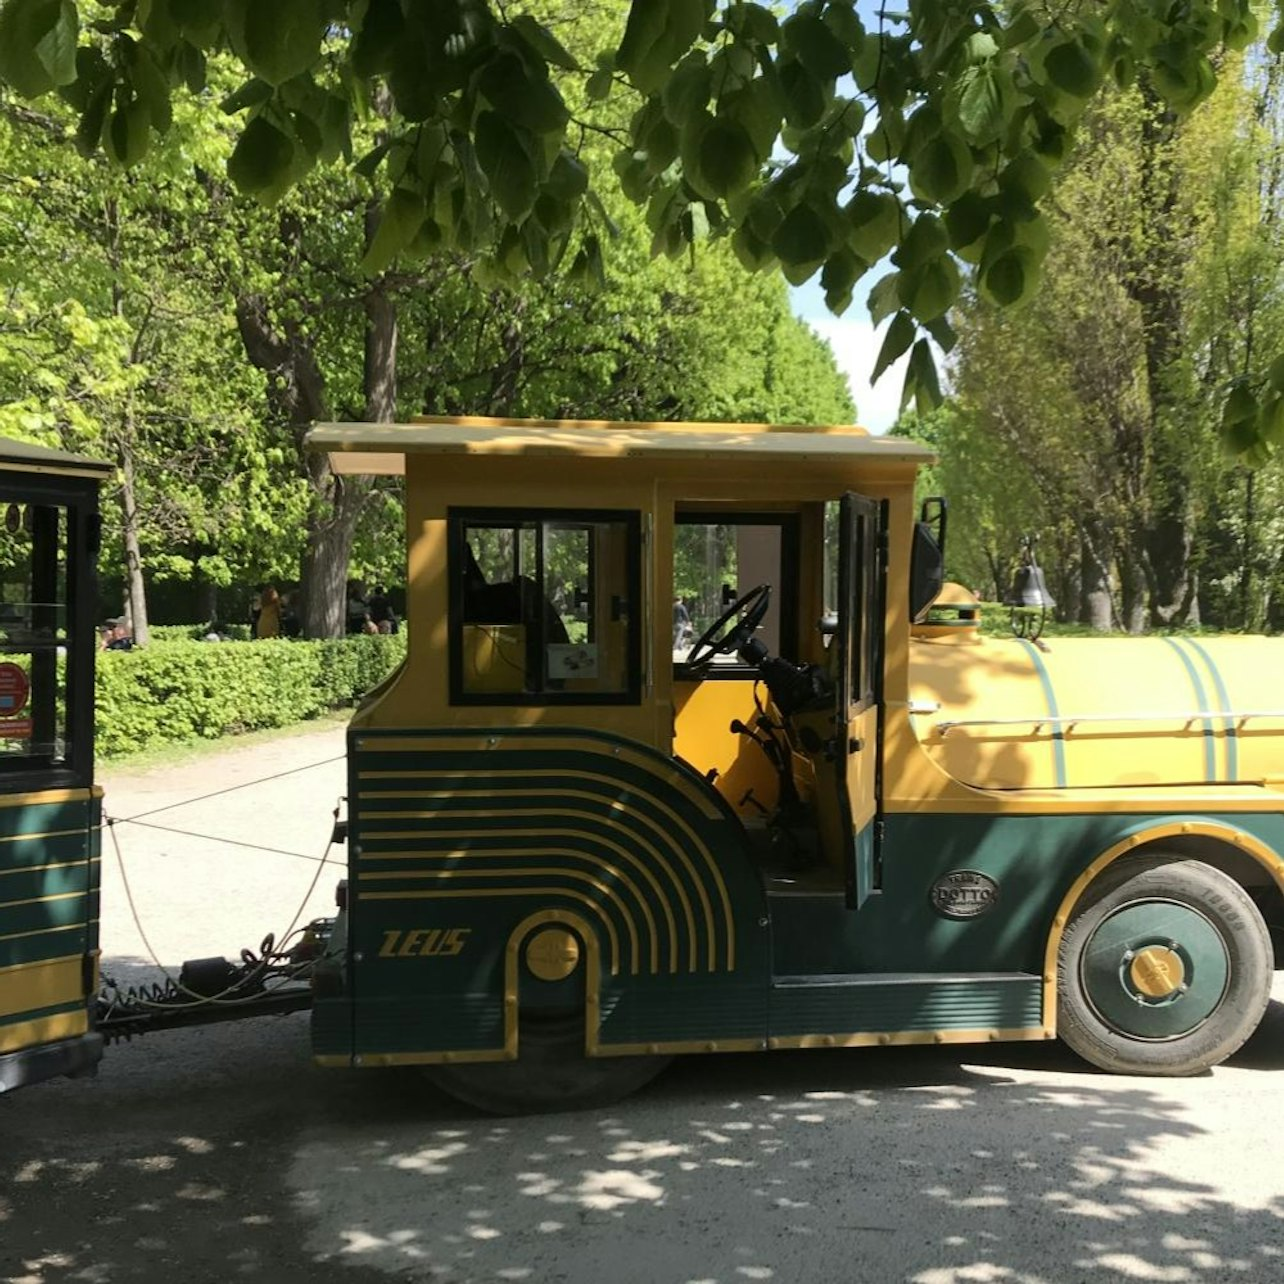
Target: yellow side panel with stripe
{"points": [[1000, 714]]}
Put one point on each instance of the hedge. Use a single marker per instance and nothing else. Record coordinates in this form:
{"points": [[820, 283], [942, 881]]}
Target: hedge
{"points": [[183, 691]]}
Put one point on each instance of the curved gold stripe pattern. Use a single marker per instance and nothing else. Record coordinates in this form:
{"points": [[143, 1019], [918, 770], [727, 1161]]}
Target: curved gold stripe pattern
{"points": [[533, 871], [581, 795], [635, 817], [586, 852], [615, 784], [550, 893]]}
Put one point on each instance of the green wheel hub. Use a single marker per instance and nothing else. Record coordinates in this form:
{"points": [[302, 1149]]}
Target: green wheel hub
{"points": [[1155, 969]]}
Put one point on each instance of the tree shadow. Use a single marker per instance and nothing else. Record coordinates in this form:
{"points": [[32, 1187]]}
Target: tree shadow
{"points": [[220, 1153]]}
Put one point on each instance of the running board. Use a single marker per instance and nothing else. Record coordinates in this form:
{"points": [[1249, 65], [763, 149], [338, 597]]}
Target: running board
{"points": [[899, 1007]]}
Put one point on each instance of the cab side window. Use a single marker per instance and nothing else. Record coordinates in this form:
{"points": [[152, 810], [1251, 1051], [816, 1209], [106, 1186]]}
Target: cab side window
{"points": [[544, 607], [718, 557]]}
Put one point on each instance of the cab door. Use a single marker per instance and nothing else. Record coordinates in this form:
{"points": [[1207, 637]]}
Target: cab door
{"points": [[862, 573]]}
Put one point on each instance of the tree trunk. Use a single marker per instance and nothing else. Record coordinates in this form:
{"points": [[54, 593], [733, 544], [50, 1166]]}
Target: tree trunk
{"points": [[1096, 608], [135, 589]]}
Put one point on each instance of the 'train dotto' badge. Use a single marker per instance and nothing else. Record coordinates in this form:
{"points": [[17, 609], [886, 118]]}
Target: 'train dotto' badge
{"points": [[964, 893]]}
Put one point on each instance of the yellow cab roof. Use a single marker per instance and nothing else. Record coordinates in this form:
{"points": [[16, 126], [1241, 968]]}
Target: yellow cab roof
{"points": [[381, 449]]}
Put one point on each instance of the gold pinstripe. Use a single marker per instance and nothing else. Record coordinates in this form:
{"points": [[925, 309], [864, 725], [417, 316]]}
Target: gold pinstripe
{"points": [[51, 796], [512, 891], [561, 812], [398, 875], [45, 931], [43, 900], [54, 833], [79, 863]]}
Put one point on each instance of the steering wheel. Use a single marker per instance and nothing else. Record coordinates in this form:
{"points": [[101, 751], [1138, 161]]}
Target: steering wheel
{"points": [[732, 629]]}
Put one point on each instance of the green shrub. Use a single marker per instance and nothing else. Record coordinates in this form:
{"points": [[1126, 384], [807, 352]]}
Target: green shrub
{"points": [[183, 690], [196, 632]]}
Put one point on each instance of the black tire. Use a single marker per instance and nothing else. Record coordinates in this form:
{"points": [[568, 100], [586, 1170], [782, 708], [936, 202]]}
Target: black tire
{"points": [[1132, 1001], [551, 1073]]}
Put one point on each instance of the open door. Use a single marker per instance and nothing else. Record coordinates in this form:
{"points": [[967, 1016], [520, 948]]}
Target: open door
{"points": [[862, 567]]}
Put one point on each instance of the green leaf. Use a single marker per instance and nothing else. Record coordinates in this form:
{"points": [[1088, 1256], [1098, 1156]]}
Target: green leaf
{"points": [[38, 45], [804, 96], [941, 170], [984, 104], [277, 41], [686, 93], [753, 22], [896, 342], [815, 46], [967, 220], [753, 252], [1275, 376], [598, 86], [534, 104], [543, 42], [382, 33], [875, 222], [402, 216], [930, 291], [262, 158], [92, 72], [1072, 69], [1275, 41], [921, 375], [369, 164], [728, 159], [129, 132], [841, 272], [801, 243], [189, 63], [925, 240], [250, 94], [943, 333], [198, 20], [568, 179], [152, 88], [89, 131], [505, 158], [1271, 421], [657, 34], [884, 298], [1010, 277], [757, 108]]}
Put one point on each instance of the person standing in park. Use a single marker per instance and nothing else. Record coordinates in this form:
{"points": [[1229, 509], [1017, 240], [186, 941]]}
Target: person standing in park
{"points": [[269, 621]]}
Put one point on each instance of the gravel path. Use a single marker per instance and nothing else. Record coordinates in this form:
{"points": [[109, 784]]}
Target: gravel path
{"points": [[220, 1153]]}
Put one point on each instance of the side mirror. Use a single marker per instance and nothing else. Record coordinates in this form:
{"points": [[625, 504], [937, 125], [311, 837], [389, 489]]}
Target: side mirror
{"points": [[927, 558]]}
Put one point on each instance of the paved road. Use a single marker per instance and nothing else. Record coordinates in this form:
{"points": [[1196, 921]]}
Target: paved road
{"points": [[221, 1153]]}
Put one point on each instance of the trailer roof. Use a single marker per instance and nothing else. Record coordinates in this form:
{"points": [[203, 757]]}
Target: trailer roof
{"points": [[29, 458], [363, 448]]}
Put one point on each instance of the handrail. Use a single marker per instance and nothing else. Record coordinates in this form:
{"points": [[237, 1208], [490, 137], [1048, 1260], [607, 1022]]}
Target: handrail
{"points": [[1070, 719]]}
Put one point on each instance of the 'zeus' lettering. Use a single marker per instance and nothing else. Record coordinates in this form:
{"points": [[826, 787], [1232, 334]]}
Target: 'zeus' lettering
{"points": [[417, 943]]}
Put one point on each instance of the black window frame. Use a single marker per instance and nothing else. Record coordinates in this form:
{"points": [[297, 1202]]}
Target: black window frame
{"points": [[785, 593], [458, 518], [79, 497]]}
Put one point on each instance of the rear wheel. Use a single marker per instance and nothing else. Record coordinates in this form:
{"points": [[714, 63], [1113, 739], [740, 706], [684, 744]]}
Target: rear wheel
{"points": [[1165, 969], [551, 1072]]}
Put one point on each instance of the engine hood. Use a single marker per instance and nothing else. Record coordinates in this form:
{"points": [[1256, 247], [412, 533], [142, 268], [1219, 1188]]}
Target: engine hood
{"points": [[1100, 712]]}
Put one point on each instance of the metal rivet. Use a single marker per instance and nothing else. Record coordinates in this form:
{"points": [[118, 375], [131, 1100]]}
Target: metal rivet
{"points": [[358, 957], [358, 1061], [884, 1038], [1129, 954], [764, 921]]}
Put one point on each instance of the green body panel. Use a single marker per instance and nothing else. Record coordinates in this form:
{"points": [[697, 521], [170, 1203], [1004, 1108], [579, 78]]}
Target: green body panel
{"points": [[49, 887], [507, 845], [1033, 859]]}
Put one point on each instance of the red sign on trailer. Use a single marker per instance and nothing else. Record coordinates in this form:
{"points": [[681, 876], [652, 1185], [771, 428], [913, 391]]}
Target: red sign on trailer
{"points": [[15, 688]]}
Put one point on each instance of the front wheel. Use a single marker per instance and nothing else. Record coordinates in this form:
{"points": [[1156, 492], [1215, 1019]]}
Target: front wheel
{"points": [[551, 1073], [1165, 969]]}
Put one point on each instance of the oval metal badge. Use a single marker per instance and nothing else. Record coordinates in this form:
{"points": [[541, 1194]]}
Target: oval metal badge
{"points": [[964, 893]]}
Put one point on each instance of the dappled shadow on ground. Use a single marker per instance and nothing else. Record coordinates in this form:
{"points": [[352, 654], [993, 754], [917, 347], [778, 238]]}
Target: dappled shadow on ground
{"points": [[220, 1154]]}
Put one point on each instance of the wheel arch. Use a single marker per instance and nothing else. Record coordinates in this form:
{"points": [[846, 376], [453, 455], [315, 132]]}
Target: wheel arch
{"points": [[1253, 864]]}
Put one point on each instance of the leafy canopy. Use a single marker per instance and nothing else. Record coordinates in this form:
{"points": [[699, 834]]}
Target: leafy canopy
{"points": [[815, 141]]}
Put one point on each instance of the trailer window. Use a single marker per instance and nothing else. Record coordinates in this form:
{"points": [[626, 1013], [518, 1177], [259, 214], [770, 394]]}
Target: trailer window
{"points": [[544, 608], [33, 635]]}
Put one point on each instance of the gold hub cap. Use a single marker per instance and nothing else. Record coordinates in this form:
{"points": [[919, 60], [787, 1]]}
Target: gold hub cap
{"points": [[553, 954], [1156, 972]]}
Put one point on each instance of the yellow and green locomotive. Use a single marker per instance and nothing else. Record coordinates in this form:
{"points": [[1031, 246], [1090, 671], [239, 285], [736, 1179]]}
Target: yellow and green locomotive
{"points": [[684, 759]]}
